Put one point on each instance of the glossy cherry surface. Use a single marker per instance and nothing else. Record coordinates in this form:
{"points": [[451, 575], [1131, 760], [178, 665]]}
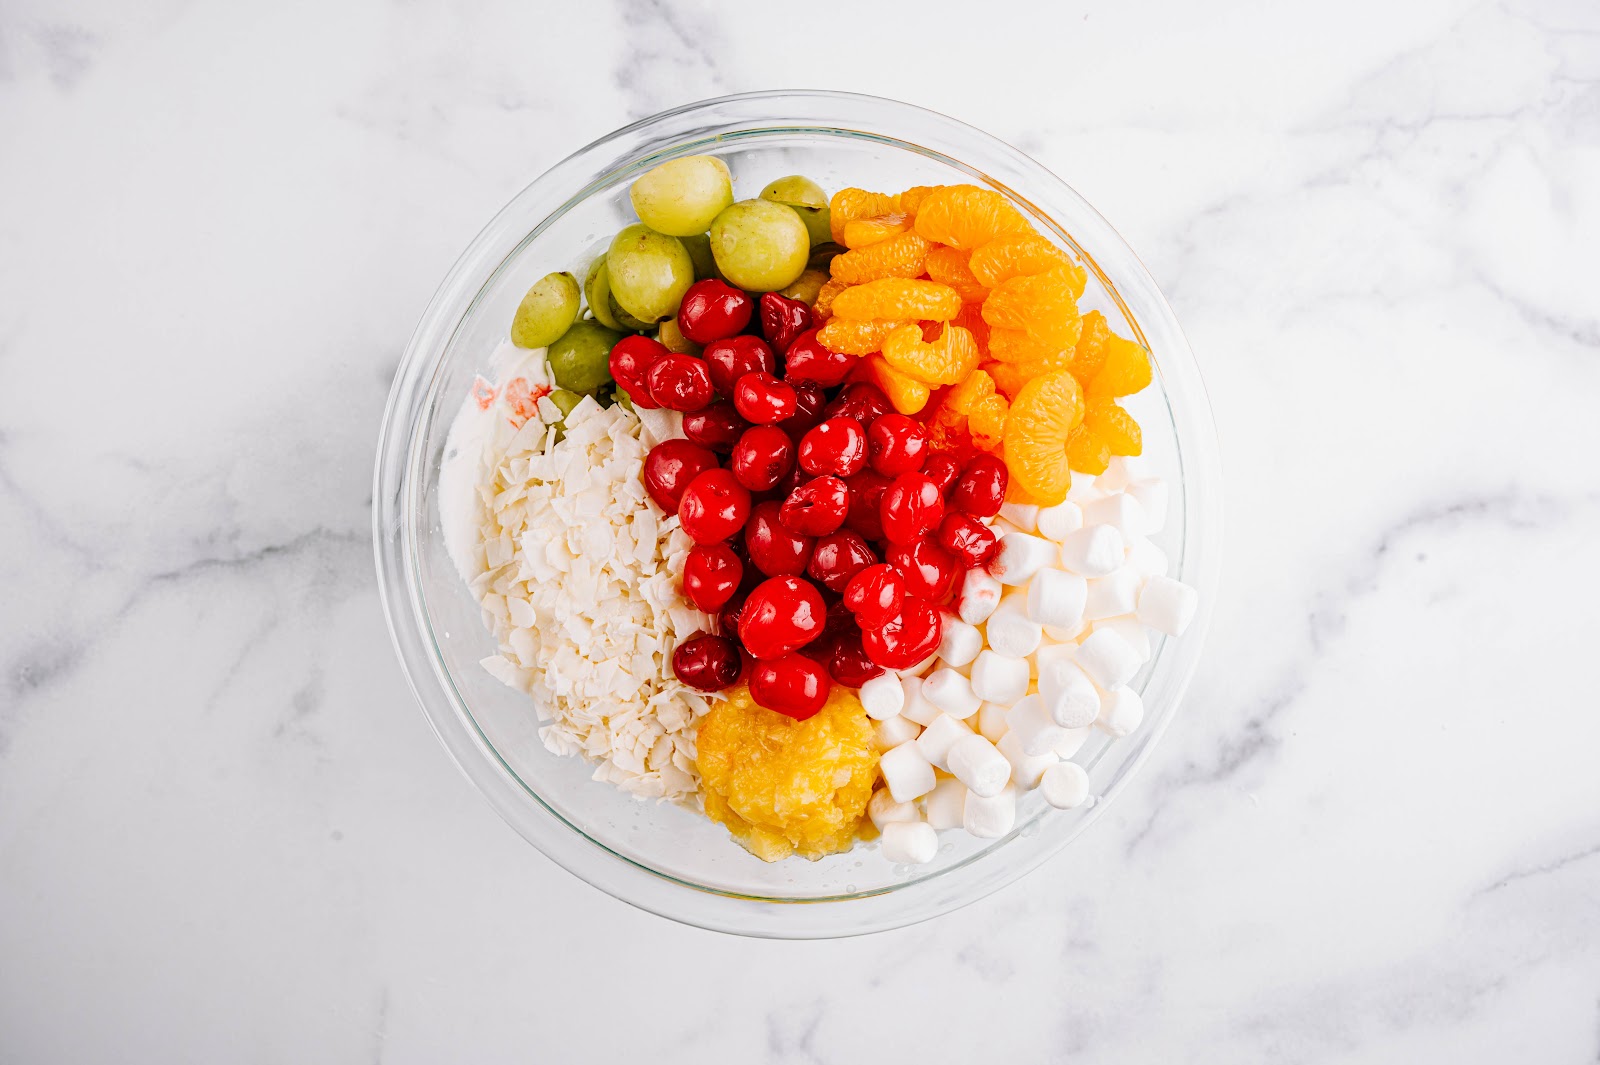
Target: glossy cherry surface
{"points": [[930, 571], [762, 399], [711, 575], [897, 444], [774, 549], [875, 594], [861, 401], [981, 487], [809, 360], [714, 507], [709, 663], [906, 639], [911, 507], [817, 507], [848, 661], [781, 615], [630, 361], [838, 557], [717, 427], [712, 310], [734, 357], [783, 319], [967, 538], [762, 458], [680, 382], [838, 447], [792, 685], [670, 466], [942, 469]]}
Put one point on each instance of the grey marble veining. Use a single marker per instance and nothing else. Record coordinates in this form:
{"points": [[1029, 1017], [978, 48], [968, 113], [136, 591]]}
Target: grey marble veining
{"points": [[225, 833]]}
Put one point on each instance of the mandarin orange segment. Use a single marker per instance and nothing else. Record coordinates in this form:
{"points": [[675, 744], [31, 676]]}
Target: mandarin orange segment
{"points": [[903, 256], [964, 396], [855, 337], [1126, 369], [1027, 352], [987, 422], [862, 232], [1008, 377], [1113, 425], [965, 216], [1043, 304], [911, 199], [948, 266], [1086, 452], [1090, 351], [898, 297], [848, 205], [823, 307], [1016, 255], [1041, 418], [906, 393], [946, 361]]}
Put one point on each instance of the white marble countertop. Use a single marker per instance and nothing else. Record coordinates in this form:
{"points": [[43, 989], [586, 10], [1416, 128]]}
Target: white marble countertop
{"points": [[227, 834]]}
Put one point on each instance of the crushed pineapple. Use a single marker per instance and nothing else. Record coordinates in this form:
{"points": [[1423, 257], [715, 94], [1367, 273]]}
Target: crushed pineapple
{"points": [[783, 786]]}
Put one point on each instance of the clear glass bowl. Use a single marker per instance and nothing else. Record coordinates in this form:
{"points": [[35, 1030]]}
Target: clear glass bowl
{"points": [[662, 858]]}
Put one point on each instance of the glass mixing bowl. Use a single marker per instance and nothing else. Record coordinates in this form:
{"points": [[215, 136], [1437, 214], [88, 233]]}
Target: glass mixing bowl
{"points": [[660, 857]]}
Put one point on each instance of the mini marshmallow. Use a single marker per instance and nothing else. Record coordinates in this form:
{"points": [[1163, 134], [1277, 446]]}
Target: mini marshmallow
{"points": [[1010, 630], [979, 765], [1131, 629], [992, 721], [960, 642], [1084, 489], [1065, 785], [991, 817], [1057, 598], [916, 706], [1122, 471], [1152, 496], [1068, 696], [882, 697], [1075, 739], [1030, 722], [1057, 521], [1108, 659], [894, 731], [998, 678], [980, 594], [1021, 556], [951, 692], [1167, 605], [1121, 711], [1115, 593], [1094, 550], [1058, 635], [943, 804], [1120, 510], [906, 773], [1051, 651], [909, 843], [1024, 516], [882, 809], [937, 739], [1026, 769], [1147, 558]]}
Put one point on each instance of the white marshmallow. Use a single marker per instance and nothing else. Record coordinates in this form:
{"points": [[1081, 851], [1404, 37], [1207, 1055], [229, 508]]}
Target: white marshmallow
{"points": [[1115, 593], [1084, 489], [1076, 738], [991, 817], [1057, 521], [1131, 629], [937, 739], [943, 804], [1147, 558], [882, 809], [1010, 631], [906, 773], [1065, 785], [1055, 635], [1121, 711], [922, 667], [1021, 556], [1026, 769], [917, 708], [1167, 605], [1152, 496], [1024, 516], [894, 731], [951, 692], [1033, 727], [979, 765], [882, 697], [1068, 696], [992, 721], [1122, 471], [1057, 598], [909, 843], [960, 642], [1093, 551], [980, 594], [998, 678], [1108, 659], [1000, 526], [1120, 510]]}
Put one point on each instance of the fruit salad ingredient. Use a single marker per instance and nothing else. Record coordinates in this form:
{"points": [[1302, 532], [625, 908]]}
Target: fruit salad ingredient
{"points": [[670, 466], [734, 357], [817, 507], [713, 507], [903, 256], [1045, 413], [759, 245], [857, 337], [762, 458], [711, 574], [709, 663], [683, 196], [808, 359], [762, 399], [967, 538], [680, 382], [907, 639], [875, 594], [966, 217], [981, 488], [897, 444], [838, 447], [713, 310], [864, 402], [717, 427], [649, 272], [546, 312], [792, 685], [848, 663], [930, 571], [774, 548], [838, 557], [808, 201], [808, 403], [945, 361], [898, 297], [782, 320], [580, 357], [782, 614], [630, 361]]}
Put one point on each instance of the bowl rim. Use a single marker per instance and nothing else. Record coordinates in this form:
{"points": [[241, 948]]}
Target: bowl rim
{"points": [[397, 475]]}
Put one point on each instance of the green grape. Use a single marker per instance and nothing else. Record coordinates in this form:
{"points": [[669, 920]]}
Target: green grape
{"points": [[624, 399], [550, 306], [699, 246], [649, 272], [581, 359], [822, 255], [760, 246], [804, 288], [626, 320], [808, 201], [672, 338], [796, 191], [680, 198], [597, 291], [565, 401]]}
